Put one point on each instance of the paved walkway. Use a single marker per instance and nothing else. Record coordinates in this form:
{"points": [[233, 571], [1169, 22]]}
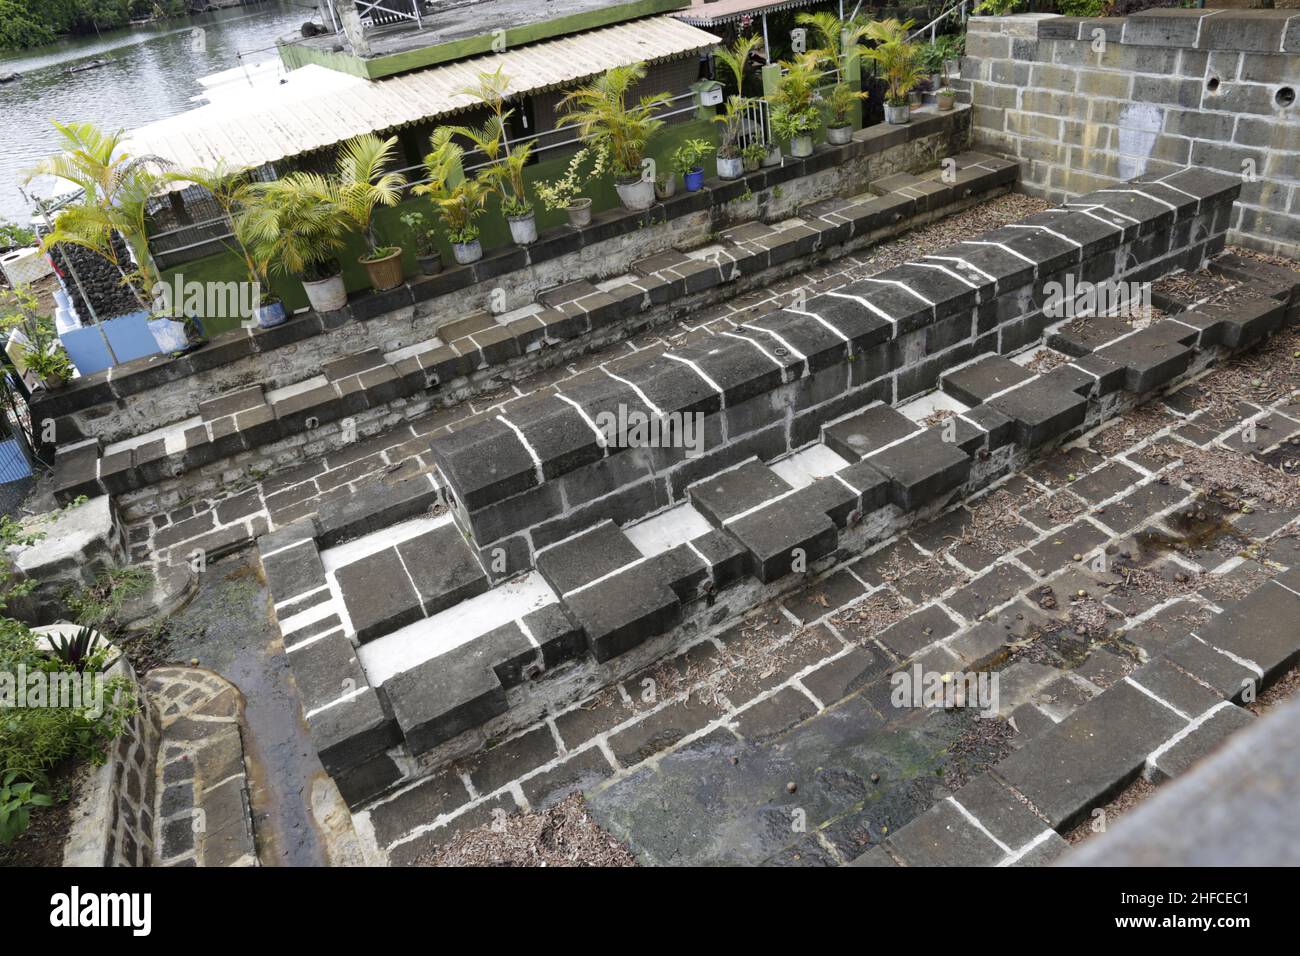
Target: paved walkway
{"points": [[776, 740]]}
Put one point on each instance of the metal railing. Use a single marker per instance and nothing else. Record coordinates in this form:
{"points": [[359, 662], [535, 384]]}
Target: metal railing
{"points": [[958, 7]]}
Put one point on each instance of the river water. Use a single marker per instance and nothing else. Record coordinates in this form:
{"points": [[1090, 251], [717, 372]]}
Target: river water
{"points": [[152, 74]]}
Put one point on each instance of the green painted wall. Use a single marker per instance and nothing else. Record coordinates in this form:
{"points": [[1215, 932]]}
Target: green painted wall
{"points": [[294, 55]]}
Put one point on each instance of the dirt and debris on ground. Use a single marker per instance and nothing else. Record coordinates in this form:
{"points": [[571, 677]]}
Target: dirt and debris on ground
{"points": [[948, 231], [1126, 800], [1130, 428], [561, 835], [41, 844]]}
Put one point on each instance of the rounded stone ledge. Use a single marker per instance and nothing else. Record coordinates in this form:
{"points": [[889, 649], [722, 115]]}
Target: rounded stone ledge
{"points": [[203, 814], [173, 587]]}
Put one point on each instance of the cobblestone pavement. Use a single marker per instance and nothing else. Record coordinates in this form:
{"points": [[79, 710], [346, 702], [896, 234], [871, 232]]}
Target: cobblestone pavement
{"points": [[776, 740], [221, 524], [203, 814]]}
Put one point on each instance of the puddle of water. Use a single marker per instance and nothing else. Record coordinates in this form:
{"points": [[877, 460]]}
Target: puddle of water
{"points": [[229, 628]]}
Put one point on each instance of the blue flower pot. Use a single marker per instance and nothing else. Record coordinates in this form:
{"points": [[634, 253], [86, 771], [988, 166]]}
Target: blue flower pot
{"points": [[269, 316], [694, 179]]}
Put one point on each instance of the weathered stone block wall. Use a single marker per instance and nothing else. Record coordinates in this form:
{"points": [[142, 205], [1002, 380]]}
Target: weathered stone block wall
{"points": [[520, 483], [1087, 103]]}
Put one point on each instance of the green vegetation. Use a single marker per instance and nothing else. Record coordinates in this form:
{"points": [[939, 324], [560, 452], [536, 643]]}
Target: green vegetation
{"points": [[27, 23], [504, 172], [41, 352], [898, 59], [116, 189], [35, 739], [602, 115], [14, 236]]}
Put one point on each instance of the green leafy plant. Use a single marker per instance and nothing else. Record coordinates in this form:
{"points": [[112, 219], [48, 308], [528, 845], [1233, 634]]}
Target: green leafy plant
{"points": [[897, 58], [361, 185], [41, 351], [426, 241], [79, 651], [233, 191], [458, 199], [33, 740], [794, 112], [835, 37], [17, 797], [565, 191], [504, 172], [753, 154], [998, 8], [688, 156], [839, 102], [115, 192], [14, 236], [295, 225], [601, 113], [733, 114]]}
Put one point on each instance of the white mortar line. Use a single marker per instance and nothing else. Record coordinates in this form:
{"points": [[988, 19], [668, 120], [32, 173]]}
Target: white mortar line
{"points": [[532, 453], [814, 315], [600, 436], [704, 376], [637, 389], [902, 285], [1186, 731], [974, 821], [1020, 854], [1157, 698], [881, 313]]}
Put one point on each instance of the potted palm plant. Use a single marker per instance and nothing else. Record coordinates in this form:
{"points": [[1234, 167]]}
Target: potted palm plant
{"points": [[731, 162], [115, 193], [295, 225], [427, 253], [752, 156], [504, 172], [837, 37], [602, 114], [362, 185], [232, 189], [794, 112], [839, 104], [563, 193], [458, 198], [897, 60]]}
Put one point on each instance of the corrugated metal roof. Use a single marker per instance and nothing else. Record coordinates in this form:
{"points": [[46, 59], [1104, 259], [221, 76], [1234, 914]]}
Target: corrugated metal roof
{"points": [[319, 107], [703, 14]]}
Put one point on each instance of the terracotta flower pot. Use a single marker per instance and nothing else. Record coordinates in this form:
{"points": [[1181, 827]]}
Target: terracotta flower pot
{"points": [[385, 273]]}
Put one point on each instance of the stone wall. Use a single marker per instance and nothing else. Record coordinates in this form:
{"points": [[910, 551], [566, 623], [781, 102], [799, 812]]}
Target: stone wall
{"points": [[1087, 103], [138, 396]]}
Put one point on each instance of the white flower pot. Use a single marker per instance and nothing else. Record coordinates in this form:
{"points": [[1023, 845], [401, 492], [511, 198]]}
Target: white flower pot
{"points": [[731, 168], [579, 213], [801, 146], [523, 229], [897, 115], [326, 295], [637, 195], [773, 157], [839, 135]]}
